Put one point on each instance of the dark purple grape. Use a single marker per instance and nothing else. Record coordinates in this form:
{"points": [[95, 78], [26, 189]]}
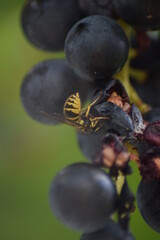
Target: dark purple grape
{"points": [[153, 115], [83, 197], [97, 7], [148, 60], [148, 57], [148, 200], [139, 13], [130, 236], [90, 145], [150, 89], [96, 47], [47, 22], [112, 231], [46, 87], [142, 147]]}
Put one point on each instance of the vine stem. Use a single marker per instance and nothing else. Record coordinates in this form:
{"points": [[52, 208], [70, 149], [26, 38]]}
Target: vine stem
{"points": [[124, 74], [120, 182], [126, 206]]}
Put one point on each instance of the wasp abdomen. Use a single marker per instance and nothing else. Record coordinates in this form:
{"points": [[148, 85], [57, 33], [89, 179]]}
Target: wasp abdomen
{"points": [[72, 107]]}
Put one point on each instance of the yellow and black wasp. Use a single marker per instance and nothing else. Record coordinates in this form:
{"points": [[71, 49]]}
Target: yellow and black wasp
{"points": [[105, 112], [78, 117], [100, 115], [81, 118]]}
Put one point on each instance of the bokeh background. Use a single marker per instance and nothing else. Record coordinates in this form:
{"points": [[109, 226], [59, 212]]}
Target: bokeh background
{"points": [[30, 153]]}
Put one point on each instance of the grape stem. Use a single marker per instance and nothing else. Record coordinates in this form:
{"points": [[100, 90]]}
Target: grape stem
{"points": [[126, 206], [120, 182], [124, 74]]}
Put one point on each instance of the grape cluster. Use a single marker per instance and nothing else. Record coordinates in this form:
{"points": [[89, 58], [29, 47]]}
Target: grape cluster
{"points": [[108, 89]]}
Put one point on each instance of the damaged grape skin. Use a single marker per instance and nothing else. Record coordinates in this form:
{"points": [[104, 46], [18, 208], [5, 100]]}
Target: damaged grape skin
{"points": [[152, 133], [149, 164], [138, 123], [115, 93], [90, 144], [113, 153], [111, 87]]}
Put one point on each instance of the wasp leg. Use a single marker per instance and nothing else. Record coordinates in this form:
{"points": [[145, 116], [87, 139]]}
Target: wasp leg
{"points": [[95, 120], [89, 107], [99, 118], [98, 128], [94, 124]]}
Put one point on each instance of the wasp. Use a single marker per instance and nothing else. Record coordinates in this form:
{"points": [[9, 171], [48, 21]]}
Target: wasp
{"points": [[85, 119], [101, 115], [82, 118]]}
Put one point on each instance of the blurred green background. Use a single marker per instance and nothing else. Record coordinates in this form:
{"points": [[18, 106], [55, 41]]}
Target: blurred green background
{"points": [[31, 153]]}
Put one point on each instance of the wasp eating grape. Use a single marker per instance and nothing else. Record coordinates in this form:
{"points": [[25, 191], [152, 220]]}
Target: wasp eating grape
{"points": [[103, 114], [83, 119]]}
